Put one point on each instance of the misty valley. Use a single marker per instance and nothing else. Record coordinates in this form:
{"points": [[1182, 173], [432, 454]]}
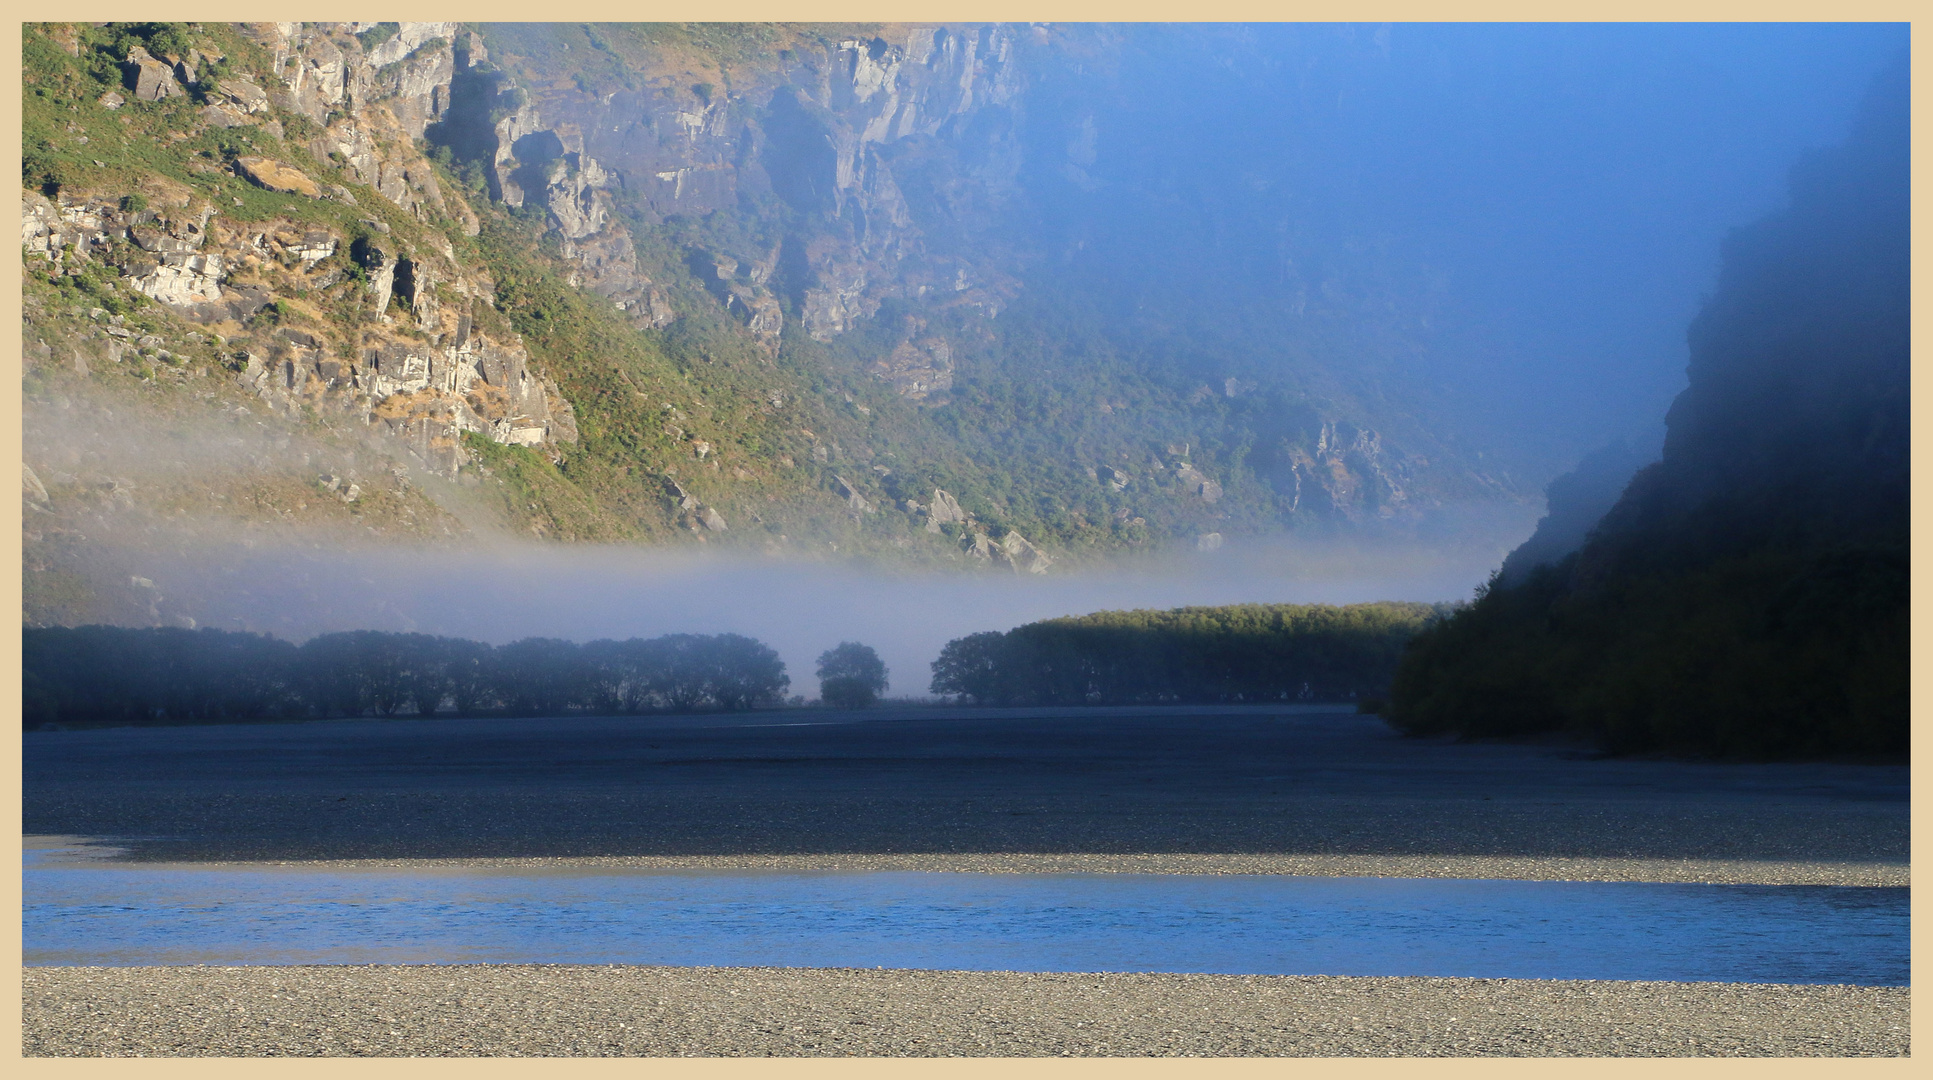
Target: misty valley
{"points": [[939, 539]]}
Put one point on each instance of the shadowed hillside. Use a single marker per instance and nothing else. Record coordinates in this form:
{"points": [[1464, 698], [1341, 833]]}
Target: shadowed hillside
{"points": [[1747, 595]]}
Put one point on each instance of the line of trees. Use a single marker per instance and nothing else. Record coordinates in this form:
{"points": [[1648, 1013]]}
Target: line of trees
{"points": [[1242, 652], [111, 674]]}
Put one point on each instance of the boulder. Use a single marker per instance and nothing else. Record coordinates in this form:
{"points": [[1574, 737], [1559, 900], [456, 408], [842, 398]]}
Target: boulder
{"points": [[1198, 482], [244, 96], [314, 247], [917, 369], [30, 485], [182, 280], [944, 509], [711, 519], [150, 79], [1015, 551], [678, 492], [855, 501], [277, 176], [224, 116]]}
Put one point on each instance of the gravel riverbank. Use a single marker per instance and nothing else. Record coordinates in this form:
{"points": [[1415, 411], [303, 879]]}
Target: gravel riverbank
{"points": [[1518, 868], [670, 1012]]}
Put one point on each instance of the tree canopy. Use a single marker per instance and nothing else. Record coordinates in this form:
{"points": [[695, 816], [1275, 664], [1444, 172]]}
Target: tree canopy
{"points": [[111, 674], [1242, 652], [851, 676]]}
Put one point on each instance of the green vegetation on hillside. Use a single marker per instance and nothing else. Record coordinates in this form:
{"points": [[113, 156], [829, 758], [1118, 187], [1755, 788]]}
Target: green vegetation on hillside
{"points": [[697, 405], [1767, 653]]}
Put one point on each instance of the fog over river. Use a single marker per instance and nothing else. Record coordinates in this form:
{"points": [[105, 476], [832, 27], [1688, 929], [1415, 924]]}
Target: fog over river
{"points": [[502, 592]]}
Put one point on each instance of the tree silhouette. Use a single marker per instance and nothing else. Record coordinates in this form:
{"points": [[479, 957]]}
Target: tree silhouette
{"points": [[111, 674], [851, 676]]}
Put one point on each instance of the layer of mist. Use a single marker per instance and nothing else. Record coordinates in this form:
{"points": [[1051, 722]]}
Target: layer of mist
{"points": [[192, 519], [502, 591]]}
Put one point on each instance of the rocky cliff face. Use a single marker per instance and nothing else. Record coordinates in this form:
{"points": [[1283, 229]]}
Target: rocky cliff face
{"points": [[371, 323], [417, 369], [886, 167], [832, 133]]}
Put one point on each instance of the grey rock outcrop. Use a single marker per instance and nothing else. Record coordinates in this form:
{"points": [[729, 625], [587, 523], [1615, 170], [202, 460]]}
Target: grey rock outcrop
{"points": [[148, 78], [428, 380], [1198, 482], [1350, 475], [856, 501], [943, 510], [816, 131], [243, 96], [371, 108], [921, 370], [678, 493], [1014, 550]]}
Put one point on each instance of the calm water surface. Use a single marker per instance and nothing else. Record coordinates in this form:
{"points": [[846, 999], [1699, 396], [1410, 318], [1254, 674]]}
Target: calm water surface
{"points": [[120, 914]]}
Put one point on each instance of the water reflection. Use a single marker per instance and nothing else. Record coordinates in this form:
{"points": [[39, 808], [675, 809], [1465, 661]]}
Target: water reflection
{"points": [[115, 914]]}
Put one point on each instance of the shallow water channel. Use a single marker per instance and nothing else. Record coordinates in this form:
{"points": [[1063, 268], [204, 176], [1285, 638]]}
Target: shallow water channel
{"points": [[120, 914]]}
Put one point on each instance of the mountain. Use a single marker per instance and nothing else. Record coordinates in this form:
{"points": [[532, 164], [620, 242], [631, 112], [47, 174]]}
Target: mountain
{"points": [[1748, 593], [1576, 502], [817, 289]]}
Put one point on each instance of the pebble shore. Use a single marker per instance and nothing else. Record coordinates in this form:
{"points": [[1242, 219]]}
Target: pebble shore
{"points": [[1660, 870], [570, 1011]]}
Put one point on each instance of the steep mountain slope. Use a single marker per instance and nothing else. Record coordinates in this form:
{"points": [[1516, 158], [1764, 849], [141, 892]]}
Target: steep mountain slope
{"points": [[784, 288], [893, 205], [1748, 593], [1577, 501]]}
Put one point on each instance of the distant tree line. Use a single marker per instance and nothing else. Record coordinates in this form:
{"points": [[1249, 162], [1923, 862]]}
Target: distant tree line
{"points": [[111, 674], [1243, 652]]}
